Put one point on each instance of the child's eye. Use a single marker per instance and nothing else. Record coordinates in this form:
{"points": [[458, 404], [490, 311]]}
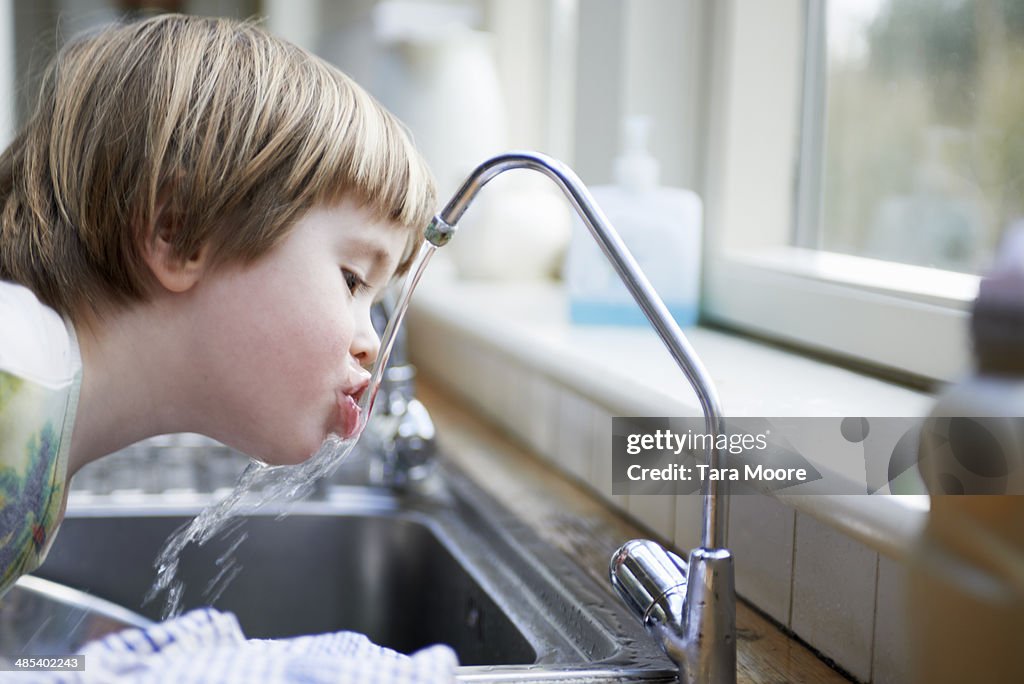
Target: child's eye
{"points": [[354, 282]]}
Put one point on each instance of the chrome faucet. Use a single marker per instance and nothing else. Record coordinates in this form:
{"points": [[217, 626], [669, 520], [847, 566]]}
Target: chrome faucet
{"points": [[689, 607], [401, 423]]}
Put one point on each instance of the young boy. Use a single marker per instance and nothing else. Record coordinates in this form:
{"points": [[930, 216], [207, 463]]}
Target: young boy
{"points": [[193, 227]]}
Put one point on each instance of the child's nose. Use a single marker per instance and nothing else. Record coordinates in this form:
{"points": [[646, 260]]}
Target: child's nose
{"points": [[365, 343]]}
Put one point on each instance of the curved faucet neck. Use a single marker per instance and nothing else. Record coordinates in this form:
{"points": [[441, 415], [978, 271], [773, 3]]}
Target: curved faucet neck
{"points": [[442, 228]]}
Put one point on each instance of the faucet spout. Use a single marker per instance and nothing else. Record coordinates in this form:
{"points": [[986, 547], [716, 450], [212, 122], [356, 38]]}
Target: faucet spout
{"points": [[715, 506]]}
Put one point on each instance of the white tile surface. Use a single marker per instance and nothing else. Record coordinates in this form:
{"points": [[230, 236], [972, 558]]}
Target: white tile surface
{"points": [[656, 512], [427, 350], [574, 435], [761, 539], [688, 522], [481, 374], [892, 656], [601, 463], [540, 408], [834, 595], [508, 394]]}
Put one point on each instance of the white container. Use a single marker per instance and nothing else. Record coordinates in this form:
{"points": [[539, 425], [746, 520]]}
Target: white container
{"points": [[965, 575], [517, 230], [662, 228]]}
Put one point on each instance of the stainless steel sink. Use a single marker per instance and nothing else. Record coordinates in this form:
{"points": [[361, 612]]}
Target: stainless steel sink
{"points": [[384, 573], [411, 570]]}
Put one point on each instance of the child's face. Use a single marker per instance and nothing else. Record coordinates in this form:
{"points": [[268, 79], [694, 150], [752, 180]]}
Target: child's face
{"points": [[285, 343]]}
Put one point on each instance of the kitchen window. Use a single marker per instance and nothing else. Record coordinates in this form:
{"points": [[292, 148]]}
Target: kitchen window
{"points": [[865, 158]]}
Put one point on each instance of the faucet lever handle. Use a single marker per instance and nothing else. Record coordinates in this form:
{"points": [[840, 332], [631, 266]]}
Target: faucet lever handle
{"points": [[650, 579]]}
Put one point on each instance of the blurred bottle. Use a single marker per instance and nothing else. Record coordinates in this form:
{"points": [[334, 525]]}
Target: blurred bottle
{"points": [[966, 588], [661, 226]]}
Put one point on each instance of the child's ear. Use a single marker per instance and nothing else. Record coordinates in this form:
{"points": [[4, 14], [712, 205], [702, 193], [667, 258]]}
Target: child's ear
{"points": [[174, 273]]}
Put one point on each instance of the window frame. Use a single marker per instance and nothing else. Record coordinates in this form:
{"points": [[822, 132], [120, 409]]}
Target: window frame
{"points": [[762, 196]]}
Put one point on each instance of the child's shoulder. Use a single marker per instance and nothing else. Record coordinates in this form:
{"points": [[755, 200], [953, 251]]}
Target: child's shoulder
{"points": [[35, 342]]}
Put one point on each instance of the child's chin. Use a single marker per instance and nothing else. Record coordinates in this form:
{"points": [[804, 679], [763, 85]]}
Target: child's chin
{"points": [[292, 456], [297, 457]]}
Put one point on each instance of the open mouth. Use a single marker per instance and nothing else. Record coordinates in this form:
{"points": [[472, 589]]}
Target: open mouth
{"points": [[349, 414]]}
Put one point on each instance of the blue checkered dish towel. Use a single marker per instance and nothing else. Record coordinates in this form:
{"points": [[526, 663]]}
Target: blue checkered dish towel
{"points": [[207, 646]]}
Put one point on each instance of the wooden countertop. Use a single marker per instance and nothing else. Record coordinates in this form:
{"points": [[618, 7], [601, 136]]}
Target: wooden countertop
{"points": [[571, 518]]}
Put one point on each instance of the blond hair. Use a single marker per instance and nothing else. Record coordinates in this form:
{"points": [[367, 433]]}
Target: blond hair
{"points": [[211, 128]]}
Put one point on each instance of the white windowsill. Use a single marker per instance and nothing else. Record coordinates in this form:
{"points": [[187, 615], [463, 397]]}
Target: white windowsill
{"points": [[925, 285], [628, 371]]}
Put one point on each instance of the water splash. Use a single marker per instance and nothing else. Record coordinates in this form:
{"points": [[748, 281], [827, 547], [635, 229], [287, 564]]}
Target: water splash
{"points": [[260, 483]]}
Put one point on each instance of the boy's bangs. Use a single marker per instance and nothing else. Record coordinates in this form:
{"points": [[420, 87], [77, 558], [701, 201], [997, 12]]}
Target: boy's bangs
{"points": [[378, 166]]}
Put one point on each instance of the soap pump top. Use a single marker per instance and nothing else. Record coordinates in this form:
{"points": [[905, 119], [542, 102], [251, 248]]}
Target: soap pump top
{"points": [[997, 321], [635, 169]]}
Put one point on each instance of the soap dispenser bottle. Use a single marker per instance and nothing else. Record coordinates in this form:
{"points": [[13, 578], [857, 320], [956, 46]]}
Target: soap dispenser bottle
{"points": [[661, 226], [966, 572]]}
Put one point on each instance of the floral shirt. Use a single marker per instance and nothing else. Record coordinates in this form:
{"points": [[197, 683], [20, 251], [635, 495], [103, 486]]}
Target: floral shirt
{"points": [[40, 378]]}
